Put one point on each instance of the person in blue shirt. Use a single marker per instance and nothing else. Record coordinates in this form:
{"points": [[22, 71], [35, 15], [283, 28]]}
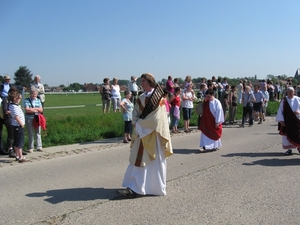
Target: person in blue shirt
{"points": [[33, 106], [257, 105], [6, 118]]}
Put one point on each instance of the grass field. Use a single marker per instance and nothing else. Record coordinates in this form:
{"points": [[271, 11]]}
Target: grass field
{"points": [[88, 123]]}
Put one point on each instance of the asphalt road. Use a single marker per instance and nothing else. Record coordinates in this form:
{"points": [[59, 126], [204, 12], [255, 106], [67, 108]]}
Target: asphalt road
{"points": [[248, 181]]}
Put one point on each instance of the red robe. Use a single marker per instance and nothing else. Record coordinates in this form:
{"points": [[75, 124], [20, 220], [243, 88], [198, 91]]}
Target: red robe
{"points": [[207, 124]]}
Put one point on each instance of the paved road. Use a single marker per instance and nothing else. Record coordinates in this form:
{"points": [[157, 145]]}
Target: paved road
{"points": [[248, 181]]}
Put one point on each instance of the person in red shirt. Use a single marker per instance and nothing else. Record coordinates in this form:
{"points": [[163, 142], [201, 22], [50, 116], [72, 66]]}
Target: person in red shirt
{"points": [[175, 109]]}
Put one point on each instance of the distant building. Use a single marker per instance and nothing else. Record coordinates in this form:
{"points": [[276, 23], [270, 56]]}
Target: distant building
{"points": [[90, 88], [56, 89]]}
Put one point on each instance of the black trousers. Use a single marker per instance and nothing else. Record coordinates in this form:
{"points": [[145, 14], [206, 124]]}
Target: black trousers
{"points": [[249, 112], [9, 129]]}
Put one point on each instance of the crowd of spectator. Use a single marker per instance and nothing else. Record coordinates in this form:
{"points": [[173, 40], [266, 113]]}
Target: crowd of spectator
{"points": [[181, 98], [13, 118]]}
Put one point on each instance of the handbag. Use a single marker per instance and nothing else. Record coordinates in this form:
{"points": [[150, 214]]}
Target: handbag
{"points": [[249, 104], [234, 104], [199, 108], [36, 115]]}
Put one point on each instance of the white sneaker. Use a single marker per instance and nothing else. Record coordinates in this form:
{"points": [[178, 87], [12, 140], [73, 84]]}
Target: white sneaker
{"points": [[30, 150]]}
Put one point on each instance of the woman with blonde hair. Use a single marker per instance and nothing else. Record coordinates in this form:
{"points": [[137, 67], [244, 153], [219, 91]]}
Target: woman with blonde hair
{"points": [[187, 82]]}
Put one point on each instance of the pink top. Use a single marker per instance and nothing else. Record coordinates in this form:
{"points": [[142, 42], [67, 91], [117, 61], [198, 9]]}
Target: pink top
{"points": [[167, 105], [169, 85]]}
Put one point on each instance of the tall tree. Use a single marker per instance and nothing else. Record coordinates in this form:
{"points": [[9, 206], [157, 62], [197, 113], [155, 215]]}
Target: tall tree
{"points": [[23, 76]]}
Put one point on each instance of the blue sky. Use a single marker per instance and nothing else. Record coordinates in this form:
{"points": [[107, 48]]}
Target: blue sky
{"points": [[84, 41]]}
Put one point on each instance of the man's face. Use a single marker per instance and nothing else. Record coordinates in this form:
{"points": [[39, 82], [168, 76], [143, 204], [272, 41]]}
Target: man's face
{"points": [[208, 97], [290, 93], [33, 95], [7, 80]]}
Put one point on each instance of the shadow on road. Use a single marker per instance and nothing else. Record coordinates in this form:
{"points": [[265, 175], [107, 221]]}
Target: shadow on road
{"points": [[256, 154], [287, 161], [76, 194], [186, 151], [275, 162]]}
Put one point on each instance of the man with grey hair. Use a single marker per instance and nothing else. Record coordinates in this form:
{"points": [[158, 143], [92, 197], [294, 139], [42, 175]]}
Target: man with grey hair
{"points": [[288, 118], [39, 87]]}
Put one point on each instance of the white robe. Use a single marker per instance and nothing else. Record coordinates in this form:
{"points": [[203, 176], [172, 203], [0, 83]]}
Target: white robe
{"points": [[295, 106], [217, 111], [240, 93], [150, 178]]}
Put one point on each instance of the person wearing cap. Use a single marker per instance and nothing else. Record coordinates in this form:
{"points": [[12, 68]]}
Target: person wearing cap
{"points": [[6, 118], [40, 88], [133, 87], [127, 107], [288, 118], [4, 89]]}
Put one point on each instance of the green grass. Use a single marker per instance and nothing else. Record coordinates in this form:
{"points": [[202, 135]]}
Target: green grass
{"points": [[68, 99], [73, 125]]}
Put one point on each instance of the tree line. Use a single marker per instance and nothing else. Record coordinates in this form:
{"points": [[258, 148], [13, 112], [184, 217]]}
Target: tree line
{"points": [[24, 77]]}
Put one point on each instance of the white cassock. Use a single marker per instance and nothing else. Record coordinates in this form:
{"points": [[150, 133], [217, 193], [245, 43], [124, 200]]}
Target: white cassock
{"points": [[150, 179], [217, 111], [295, 106]]}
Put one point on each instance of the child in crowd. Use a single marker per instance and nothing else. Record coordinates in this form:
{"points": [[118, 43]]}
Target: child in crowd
{"points": [[175, 109], [18, 122], [127, 107]]}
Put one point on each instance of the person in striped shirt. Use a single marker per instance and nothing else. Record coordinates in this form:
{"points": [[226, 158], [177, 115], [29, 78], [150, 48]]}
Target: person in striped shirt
{"points": [[18, 123]]}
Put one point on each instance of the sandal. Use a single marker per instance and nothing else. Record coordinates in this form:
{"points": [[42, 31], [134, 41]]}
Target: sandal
{"points": [[202, 150], [288, 152], [127, 193]]}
